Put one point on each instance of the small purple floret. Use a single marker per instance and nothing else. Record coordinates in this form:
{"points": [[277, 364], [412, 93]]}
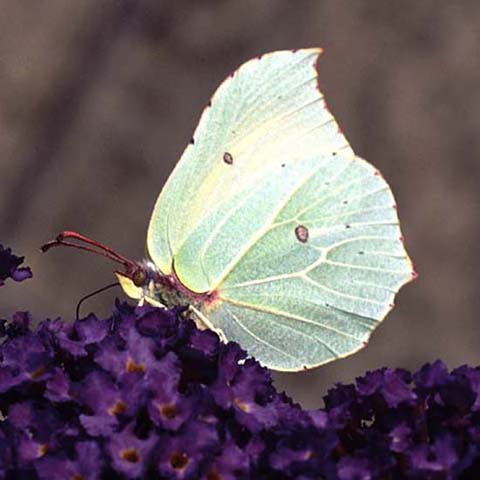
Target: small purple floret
{"points": [[10, 267]]}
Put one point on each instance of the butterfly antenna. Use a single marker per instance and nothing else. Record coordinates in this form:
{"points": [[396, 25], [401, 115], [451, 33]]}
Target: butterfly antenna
{"points": [[81, 242], [92, 294]]}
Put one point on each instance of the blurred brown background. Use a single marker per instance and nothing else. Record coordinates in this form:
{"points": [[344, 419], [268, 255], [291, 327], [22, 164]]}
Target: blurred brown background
{"points": [[98, 99]]}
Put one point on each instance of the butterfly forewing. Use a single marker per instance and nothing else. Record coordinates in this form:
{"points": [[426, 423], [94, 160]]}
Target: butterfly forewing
{"points": [[265, 111]]}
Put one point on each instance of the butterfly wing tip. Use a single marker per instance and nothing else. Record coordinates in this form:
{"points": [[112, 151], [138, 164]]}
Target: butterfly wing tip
{"points": [[314, 50]]}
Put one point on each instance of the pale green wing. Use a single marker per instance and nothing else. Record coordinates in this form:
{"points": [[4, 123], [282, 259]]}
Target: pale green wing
{"points": [[270, 208], [267, 113], [322, 274]]}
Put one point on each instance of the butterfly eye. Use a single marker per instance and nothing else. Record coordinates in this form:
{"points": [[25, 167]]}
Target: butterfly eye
{"points": [[139, 277]]}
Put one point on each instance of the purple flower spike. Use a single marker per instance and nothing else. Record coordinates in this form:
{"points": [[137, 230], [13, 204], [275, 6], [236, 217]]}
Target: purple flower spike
{"points": [[10, 267], [144, 394]]}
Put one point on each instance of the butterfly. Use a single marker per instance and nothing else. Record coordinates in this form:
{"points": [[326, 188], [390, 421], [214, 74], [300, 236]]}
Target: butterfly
{"points": [[270, 229]]}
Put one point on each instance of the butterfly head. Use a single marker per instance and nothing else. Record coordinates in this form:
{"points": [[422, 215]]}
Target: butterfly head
{"points": [[143, 283]]}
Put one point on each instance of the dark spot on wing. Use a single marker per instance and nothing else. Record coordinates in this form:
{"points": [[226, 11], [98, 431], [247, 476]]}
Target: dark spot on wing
{"points": [[283, 165], [361, 253], [334, 153], [347, 226], [192, 141], [227, 158], [209, 104], [302, 233], [345, 202]]}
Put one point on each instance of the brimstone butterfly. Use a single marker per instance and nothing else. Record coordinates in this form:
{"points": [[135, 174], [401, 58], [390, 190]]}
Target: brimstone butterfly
{"points": [[270, 228]]}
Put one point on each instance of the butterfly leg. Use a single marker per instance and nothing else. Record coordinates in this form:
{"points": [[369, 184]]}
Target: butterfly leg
{"points": [[149, 296], [203, 323], [151, 301]]}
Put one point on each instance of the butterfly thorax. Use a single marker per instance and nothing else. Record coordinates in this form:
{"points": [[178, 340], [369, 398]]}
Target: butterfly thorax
{"points": [[169, 291]]}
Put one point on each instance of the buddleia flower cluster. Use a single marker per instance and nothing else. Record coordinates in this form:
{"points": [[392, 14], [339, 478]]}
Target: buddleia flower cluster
{"points": [[145, 394]]}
